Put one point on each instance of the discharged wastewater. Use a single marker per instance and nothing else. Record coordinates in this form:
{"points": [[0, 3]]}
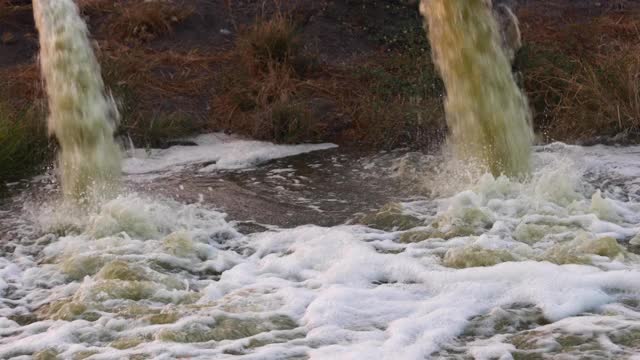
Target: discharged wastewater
{"points": [[483, 268], [243, 249]]}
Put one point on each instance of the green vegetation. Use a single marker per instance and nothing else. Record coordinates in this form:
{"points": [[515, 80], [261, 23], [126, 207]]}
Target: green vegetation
{"points": [[24, 145]]}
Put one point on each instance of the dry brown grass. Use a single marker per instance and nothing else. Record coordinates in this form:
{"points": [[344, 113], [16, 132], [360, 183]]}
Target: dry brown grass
{"points": [[274, 90], [158, 92], [582, 72], [602, 97], [269, 42], [262, 92], [141, 21], [96, 7], [21, 84]]}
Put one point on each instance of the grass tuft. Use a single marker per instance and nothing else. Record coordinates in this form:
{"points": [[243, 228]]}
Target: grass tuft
{"points": [[263, 90], [146, 20]]}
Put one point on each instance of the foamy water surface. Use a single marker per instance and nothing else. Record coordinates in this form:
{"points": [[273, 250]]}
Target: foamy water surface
{"points": [[498, 269]]}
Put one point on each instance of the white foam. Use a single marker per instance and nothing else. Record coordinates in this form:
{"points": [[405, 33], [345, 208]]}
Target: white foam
{"points": [[353, 292], [220, 150]]}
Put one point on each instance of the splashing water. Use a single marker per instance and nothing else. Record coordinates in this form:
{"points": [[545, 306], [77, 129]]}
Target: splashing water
{"points": [[82, 116], [539, 268], [487, 113]]}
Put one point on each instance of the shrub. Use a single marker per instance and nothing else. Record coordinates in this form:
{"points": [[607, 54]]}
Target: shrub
{"points": [[262, 92], [268, 41]]}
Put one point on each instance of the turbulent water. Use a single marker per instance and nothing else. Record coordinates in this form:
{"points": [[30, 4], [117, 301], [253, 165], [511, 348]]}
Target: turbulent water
{"points": [[487, 114], [544, 269], [470, 266], [81, 116]]}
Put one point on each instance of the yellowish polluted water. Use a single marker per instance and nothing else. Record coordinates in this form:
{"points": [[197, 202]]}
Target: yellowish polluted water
{"points": [[82, 116], [487, 113]]}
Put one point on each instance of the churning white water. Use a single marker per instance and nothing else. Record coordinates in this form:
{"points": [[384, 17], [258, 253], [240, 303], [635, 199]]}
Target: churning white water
{"points": [[501, 270]]}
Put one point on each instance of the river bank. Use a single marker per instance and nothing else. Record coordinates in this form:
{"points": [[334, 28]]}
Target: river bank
{"points": [[355, 73]]}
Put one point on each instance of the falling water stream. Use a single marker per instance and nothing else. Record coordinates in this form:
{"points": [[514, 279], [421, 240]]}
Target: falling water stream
{"points": [[82, 117], [241, 249], [487, 113]]}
